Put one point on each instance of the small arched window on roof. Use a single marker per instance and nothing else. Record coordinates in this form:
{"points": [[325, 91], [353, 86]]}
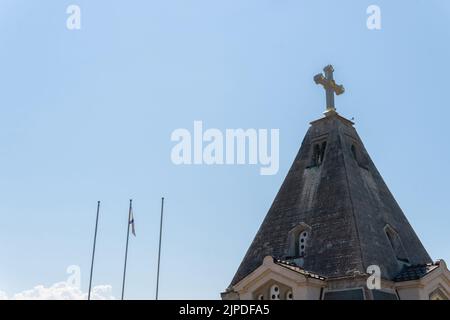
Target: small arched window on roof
{"points": [[359, 156], [302, 242], [299, 240], [353, 148], [396, 244], [318, 153]]}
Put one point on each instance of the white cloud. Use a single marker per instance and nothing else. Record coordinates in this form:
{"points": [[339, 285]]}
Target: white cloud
{"points": [[61, 291], [3, 296], [101, 292]]}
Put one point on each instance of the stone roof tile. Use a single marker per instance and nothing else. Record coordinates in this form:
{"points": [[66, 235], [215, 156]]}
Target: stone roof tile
{"points": [[292, 266], [415, 272]]}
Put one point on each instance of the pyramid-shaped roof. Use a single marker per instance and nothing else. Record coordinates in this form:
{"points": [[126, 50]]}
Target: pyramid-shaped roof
{"points": [[334, 191]]}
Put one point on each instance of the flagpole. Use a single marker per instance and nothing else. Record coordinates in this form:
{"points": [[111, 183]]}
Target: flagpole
{"points": [[126, 249], [159, 250], [93, 250]]}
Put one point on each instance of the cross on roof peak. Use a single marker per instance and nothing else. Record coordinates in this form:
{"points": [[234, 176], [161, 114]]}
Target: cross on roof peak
{"points": [[329, 85]]}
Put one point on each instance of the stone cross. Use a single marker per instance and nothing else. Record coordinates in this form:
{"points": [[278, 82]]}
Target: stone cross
{"points": [[329, 85]]}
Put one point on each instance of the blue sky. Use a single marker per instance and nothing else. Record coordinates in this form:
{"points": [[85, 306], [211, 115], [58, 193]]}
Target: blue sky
{"points": [[86, 115]]}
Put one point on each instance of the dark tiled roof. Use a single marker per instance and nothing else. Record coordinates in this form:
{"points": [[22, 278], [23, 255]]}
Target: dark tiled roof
{"points": [[294, 267], [415, 272], [332, 197]]}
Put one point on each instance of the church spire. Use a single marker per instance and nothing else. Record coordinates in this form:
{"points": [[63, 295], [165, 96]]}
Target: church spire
{"points": [[334, 215], [330, 86]]}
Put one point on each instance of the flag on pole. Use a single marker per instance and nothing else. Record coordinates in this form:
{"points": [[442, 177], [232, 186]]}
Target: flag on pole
{"points": [[133, 231]]}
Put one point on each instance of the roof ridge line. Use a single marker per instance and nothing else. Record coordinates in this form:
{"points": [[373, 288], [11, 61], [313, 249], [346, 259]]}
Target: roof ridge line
{"points": [[351, 201]]}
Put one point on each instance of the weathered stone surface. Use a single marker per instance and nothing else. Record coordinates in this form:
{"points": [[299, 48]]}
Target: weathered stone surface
{"points": [[346, 203]]}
